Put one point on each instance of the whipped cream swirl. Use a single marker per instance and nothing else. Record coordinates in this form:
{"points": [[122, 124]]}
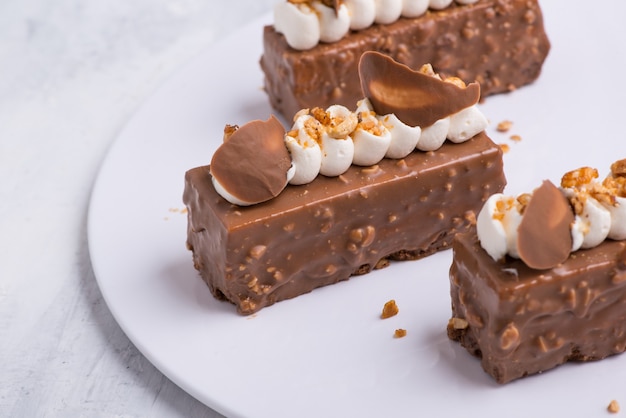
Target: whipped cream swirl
{"points": [[305, 23], [328, 141], [599, 209]]}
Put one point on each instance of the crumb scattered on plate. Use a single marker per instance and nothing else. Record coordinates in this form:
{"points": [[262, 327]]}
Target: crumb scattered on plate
{"points": [[504, 126], [178, 210], [390, 309], [399, 333], [516, 138], [613, 407], [505, 148]]}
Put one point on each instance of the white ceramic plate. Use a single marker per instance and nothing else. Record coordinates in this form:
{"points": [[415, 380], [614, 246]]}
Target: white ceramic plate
{"points": [[328, 353]]}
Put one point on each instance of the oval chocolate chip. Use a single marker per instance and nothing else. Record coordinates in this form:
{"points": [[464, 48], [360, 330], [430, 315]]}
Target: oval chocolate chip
{"points": [[252, 163], [544, 237]]}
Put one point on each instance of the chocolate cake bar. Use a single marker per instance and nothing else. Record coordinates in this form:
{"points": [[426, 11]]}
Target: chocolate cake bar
{"points": [[521, 321], [499, 43], [332, 228]]}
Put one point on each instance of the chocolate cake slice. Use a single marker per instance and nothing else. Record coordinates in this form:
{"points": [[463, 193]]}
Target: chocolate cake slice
{"points": [[558, 297], [522, 321], [501, 44], [280, 212], [325, 231]]}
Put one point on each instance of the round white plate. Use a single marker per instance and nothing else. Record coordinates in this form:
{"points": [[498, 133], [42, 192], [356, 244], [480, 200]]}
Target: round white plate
{"points": [[328, 353]]}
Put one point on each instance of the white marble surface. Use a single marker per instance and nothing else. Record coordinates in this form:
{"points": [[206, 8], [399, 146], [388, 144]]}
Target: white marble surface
{"points": [[72, 72]]}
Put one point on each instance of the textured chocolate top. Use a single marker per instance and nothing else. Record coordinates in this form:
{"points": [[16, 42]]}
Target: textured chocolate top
{"points": [[417, 99]]}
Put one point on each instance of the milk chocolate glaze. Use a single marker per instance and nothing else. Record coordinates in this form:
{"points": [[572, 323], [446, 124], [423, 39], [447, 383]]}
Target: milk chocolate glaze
{"points": [[416, 98], [521, 321], [544, 237], [501, 44], [326, 231], [252, 164]]}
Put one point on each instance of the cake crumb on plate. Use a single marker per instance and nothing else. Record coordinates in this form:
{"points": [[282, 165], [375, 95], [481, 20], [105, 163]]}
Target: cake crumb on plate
{"points": [[504, 126], [399, 333], [613, 407], [390, 309]]}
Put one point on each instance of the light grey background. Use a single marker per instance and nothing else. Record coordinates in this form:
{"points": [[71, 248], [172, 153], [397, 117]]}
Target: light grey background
{"points": [[72, 72]]}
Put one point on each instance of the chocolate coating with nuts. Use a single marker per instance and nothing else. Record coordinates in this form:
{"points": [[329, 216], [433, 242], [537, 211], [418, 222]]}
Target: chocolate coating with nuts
{"points": [[501, 44], [523, 321], [325, 231]]}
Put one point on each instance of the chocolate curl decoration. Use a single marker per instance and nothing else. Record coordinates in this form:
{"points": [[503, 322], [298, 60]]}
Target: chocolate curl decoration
{"points": [[417, 99], [544, 238], [253, 161]]}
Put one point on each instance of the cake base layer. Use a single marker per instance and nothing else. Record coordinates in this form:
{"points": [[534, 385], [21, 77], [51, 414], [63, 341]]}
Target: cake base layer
{"points": [[521, 321], [501, 44], [325, 231]]}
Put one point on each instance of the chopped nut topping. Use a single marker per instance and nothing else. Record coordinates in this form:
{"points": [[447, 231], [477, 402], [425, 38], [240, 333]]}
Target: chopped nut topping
{"points": [[583, 181], [615, 185], [613, 407], [370, 125], [578, 203], [579, 177], [321, 115], [337, 127], [618, 168], [523, 200], [516, 138], [228, 131], [502, 207], [390, 309], [399, 333], [603, 196]]}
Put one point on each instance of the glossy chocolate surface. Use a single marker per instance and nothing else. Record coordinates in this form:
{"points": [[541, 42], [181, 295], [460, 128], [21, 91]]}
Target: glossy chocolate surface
{"points": [[325, 231], [523, 321], [501, 44]]}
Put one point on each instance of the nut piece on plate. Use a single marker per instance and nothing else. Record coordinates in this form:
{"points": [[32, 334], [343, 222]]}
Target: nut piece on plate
{"points": [[399, 333], [613, 407], [504, 126], [390, 309]]}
